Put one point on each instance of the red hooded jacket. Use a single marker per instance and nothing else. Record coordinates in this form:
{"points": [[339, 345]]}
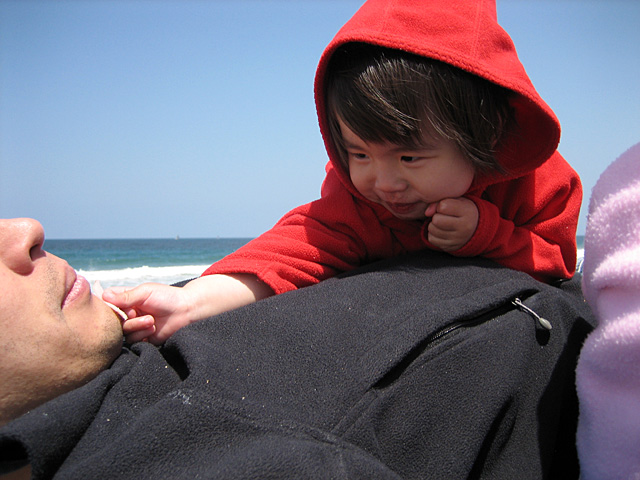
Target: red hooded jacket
{"points": [[527, 221]]}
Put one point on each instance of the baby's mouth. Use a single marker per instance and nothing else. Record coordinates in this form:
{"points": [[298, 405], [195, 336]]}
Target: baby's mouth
{"points": [[401, 208]]}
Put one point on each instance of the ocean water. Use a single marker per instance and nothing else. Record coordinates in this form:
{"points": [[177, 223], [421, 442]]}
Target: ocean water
{"points": [[131, 262]]}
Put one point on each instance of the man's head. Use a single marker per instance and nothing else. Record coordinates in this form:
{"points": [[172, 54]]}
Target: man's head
{"points": [[54, 334], [389, 96]]}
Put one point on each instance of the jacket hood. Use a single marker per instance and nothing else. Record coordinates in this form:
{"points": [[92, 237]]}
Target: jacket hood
{"points": [[465, 34]]}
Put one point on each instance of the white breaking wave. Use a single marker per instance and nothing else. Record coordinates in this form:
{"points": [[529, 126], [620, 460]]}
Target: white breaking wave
{"points": [[128, 277], [580, 260]]}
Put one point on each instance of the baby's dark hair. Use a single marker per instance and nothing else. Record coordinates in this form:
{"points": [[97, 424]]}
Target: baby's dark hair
{"points": [[389, 95]]}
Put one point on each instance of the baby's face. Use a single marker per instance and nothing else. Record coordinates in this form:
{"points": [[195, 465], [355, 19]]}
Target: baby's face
{"points": [[407, 180]]}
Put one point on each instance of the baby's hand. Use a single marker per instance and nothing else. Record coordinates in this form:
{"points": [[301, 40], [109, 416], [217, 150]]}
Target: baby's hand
{"points": [[134, 329], [138, 329], [155, 311], [453, 223]]}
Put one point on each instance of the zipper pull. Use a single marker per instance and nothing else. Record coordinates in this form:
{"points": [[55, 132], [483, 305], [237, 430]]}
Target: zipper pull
{"points": [[543, 322]]}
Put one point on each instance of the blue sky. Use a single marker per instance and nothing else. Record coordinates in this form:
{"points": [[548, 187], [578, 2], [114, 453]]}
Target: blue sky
{"points": [[149, 118]]}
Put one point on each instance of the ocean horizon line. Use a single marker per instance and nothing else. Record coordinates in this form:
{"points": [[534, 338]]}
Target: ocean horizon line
{"points": [[130, 262], [111, 239], [177, 237]]}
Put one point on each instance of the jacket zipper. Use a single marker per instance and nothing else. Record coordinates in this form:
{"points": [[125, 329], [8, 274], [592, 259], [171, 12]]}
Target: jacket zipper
{"points": [[495, 312], [516, 303], [543, 322]]}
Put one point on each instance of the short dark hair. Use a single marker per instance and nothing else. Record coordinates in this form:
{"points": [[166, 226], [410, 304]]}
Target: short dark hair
{"points": [[384, 94]]}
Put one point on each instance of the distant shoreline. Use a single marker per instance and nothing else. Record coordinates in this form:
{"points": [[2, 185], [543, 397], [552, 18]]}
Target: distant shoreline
{"points": [[129, 262]]}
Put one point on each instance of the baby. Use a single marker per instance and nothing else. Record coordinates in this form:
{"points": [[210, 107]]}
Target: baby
{"points": [[436, 140]]}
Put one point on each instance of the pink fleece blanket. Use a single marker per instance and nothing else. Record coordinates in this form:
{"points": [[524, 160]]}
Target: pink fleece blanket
{"points": [[608, 374]]}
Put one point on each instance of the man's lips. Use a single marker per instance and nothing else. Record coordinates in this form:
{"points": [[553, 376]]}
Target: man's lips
{"points": [[76, 287]]}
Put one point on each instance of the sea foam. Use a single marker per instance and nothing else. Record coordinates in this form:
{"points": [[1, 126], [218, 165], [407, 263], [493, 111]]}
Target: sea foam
{"points": [[128, 277]]}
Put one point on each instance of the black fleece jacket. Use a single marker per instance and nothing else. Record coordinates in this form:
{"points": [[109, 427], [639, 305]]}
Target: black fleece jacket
{"points": [[416, 367]]}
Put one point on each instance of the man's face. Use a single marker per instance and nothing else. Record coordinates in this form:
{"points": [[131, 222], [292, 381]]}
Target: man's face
{"points": [[54, 334]]}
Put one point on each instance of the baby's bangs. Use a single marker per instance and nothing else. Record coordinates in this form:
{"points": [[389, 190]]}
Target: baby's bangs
{"points": [[379, 101]]}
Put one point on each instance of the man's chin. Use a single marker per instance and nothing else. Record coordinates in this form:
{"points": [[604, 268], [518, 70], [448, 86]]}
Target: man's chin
{"points": [[111, 337]]}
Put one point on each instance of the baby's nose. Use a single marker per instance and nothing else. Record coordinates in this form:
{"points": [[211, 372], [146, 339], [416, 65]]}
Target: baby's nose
{"points": [[388, 181]]}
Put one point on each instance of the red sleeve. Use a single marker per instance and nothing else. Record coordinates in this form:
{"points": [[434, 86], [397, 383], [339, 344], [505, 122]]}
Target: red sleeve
{"points": [[313, 242], [530, 223]]}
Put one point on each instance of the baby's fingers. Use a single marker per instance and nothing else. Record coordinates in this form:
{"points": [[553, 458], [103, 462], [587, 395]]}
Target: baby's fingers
{"points": [[139, 329], [144, 323], [142, 336], [441, 225], [126, 298]]}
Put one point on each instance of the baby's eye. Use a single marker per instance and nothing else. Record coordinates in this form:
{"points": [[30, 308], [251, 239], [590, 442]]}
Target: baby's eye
{"points": [[358, 156], [408, 159]]}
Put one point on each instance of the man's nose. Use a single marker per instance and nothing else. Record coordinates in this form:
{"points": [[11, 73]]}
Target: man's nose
{"points": [[21, 241]]}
